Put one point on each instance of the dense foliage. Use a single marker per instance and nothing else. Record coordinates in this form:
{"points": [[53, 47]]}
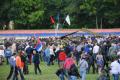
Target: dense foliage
{"points": [[35, 14]]}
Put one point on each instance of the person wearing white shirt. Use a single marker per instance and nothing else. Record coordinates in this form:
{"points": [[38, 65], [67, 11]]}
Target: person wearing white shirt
{"points": [[115, 67], [96, 49], [13, 47], [119, 64], [79, 47]]}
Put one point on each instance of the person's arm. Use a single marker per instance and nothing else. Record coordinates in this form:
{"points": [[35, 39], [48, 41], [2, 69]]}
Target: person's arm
{"points": [[64, 65], [93, 49], [111, 68], [86, 65], [79, 63], [96, 57]]}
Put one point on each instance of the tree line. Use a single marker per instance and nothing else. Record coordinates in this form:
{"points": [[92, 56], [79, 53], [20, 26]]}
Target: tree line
{"points": [[35, 14]]}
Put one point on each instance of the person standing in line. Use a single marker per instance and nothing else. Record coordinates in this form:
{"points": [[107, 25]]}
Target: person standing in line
{"points": [[36, 61], [83, 65]]}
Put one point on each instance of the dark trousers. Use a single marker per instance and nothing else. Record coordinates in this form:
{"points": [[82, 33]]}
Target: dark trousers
{"points": [[30, 58], [93, 67], [36, 67], [25, 69], [7, 60], [115, 76], [15, 76], [47, 59], [11, 72], [106, 59], [52, 59], [1, 60]]}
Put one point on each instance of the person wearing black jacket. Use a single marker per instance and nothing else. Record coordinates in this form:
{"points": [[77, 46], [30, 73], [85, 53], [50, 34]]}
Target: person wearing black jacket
{"points": [[36, 61], [73, 73]]}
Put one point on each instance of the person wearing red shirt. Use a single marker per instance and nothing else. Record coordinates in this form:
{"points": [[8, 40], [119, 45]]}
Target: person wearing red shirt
{"points": [[61, 58]]}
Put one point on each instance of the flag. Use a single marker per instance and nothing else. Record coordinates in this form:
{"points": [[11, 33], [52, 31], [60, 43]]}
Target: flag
{"points": [[67, 19], [52, 20], [38, 46]]}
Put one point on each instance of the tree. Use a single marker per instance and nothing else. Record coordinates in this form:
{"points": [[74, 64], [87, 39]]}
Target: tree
{"points": [[5, 5], [35, 14], [27, 12]]}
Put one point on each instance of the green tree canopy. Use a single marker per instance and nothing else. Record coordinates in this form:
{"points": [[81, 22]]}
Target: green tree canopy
{"points": [[35, 14]]}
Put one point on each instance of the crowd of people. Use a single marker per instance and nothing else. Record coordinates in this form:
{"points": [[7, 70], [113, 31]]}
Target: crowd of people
{"points": [[75, 55]]}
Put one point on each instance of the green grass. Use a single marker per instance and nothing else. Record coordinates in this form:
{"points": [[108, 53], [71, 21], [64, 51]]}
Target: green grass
{"points": [[48, 73]]}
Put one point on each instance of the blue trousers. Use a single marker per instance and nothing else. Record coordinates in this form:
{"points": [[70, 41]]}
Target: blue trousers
{"points": [[47, 59], [61, 76], [83, 74], [115, 76], [73, 78]]}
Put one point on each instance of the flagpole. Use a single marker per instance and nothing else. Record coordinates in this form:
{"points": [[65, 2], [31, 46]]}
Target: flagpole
{"points": [[55, 32], [56, 29]]}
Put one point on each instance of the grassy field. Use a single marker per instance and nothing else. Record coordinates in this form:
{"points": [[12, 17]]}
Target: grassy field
{"points": [[48, 73]]}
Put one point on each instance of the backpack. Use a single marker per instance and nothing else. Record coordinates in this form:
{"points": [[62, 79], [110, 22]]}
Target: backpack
{"points": [[74, 71]]}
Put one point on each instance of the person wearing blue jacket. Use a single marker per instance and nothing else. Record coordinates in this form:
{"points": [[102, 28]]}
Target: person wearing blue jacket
{"points": [[8, 53]]}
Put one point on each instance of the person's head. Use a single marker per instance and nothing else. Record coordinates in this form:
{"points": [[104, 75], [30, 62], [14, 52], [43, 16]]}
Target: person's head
{"points": [[19, 51], [83, 55], [100, 53], [70, 55], [9, 47], [14, 54], [96, 44], [34, 51], [114, 57]]}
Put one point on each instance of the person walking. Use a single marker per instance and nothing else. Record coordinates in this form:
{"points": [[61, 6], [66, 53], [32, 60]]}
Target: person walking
{"points": [[83, 65], [36, 61], [61, 59], [8, 53], [115, 67], [99, 62], [69, 61], [73, 73], [12, 62], [18, 67], [47, 55]]}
